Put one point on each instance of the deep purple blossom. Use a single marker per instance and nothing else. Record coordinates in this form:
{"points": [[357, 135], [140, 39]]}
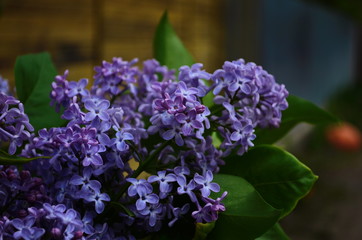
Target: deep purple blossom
{"points": [[216, 204], [121, 138], [85, 182], [185, 187], [204, 214], [98, 199], [78, 88], [194, 77], [92, 156], [178, 213], [205, 182], [97, 110], [25, 229], [163, 179], [139, 186], [152, 212], [145, 199]]}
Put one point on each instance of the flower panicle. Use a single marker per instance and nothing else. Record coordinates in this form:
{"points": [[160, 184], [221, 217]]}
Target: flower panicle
{"points": [[130, 121]]}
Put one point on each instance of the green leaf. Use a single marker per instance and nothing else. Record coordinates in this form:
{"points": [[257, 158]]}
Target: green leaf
{"points": [[275, 233], [247, 215], [202, 230], [208, 100], [34, 74], [168, 48], [280, 178], [299, 111], [7, 159]]}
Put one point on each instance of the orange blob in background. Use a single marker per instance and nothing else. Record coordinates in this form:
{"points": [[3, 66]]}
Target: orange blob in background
{"points": [[344, 137]]}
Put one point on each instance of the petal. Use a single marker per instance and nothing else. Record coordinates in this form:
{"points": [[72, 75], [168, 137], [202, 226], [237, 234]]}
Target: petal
{"points": [[209, 176], [169, 134], [182, 86], [153, 178], [89, 105], [132, 191], [199, 179], [95, 185], [103, 105], [99, 207], [171, 177], [97, 160], [179, 141], [205, 192], [152, 198], [180, 118], [152, 220], [245, 88], [127, 136], [140, 204], [181, 180], [122, 146], [104, 116], [235, 136], [214, 187], [164, 186], [233, 87], [186, 129], [83, 82], [71, 214], [17, 223], [76, 180], [196, 124], [90, 116], [105, 197]]}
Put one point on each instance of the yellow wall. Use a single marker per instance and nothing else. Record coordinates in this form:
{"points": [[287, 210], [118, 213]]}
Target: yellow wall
{"points": [[82, 33]]}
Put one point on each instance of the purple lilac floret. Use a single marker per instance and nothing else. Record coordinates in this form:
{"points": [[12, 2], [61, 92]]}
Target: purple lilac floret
{"points": [[4, 86], [89, 186]]}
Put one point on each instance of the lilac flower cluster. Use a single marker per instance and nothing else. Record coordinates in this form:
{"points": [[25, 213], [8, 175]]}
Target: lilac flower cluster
{"points": [[152, 209], [248, 97], [179, 115], [26, 212], [14, 123], [132, 120]]}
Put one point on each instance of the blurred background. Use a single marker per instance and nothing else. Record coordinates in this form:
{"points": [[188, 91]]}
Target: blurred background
{"points": [[313, 47]]}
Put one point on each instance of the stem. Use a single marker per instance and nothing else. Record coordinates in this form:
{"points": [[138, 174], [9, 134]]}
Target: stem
{"points": [[138, 155]]}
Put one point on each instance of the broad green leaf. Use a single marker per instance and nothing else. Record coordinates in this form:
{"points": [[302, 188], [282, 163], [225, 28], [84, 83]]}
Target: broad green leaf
{"points": [[216, 140], [247, 215], [275, 233], [7, 159], [34, 74], [280, 178], [208, 100], [168, 48], [299, 111]]}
